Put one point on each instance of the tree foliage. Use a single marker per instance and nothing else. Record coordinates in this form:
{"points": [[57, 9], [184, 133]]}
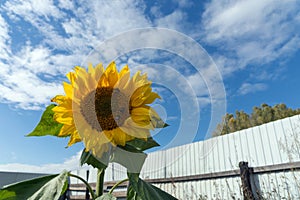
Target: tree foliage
{"points": [[260, 115]]}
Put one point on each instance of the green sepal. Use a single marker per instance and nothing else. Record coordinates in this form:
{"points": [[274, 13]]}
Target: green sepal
{"points": [[132, 194], [47, 124], [88, 158], [140, 144], [133, 161], [46, 187], [140, 190], [131, 155], [165, 125], [159, 123], [106, 197]]}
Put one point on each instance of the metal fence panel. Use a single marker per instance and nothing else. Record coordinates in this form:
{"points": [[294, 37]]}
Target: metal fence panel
{"points": [[269, 144]]}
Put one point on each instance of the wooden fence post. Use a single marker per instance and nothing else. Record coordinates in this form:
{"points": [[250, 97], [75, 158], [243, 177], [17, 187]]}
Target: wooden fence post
{"points": [[245, 172]]}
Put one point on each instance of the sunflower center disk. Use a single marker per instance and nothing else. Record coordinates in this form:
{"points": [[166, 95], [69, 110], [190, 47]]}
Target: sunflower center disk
{"points": [[107, 107]]}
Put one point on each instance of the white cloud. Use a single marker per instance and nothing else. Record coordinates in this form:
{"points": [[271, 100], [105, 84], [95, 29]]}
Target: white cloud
{"points": [[20, 82], [251, 31], [69, 164], [175, 20], [198, 84], [246, 32], [248, 88], [183, 3], [164, 68], [63, 41], [4, 38], [66, 4], [118, 16], [75, 35], [33, 8]]}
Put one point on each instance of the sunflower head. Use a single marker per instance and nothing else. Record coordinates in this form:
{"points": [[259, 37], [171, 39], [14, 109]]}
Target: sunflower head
{"points": [[104, 107]]}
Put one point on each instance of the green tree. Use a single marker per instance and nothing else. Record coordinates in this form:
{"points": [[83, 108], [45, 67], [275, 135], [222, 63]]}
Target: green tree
{"points": [[256, 116], [242, 120], [267, 113], [280, 111], [260, 115], [225, 126], [297, 112], [231, 123]]}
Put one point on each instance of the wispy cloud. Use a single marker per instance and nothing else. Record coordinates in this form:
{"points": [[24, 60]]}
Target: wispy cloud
{"points": [[247, 88], [64, 37], [245, 33], [4, 38], [62, 40], [251, 32], [69, 164]]}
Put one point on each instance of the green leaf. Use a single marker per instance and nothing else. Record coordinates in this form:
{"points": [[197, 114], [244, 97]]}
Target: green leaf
{"points": [[53, 189], [47, 124], [141, 145], [88, 158], [52, 185], [25, 189], [131, 160], [140, 190], [130, 148], [106, 197]]}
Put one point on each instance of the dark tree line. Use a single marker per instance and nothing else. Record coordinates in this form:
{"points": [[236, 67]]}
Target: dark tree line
{"points": [[260, 115]]}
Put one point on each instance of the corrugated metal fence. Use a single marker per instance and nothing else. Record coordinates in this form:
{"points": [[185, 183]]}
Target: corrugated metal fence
{"points": [[7, 178], [275, 145]]}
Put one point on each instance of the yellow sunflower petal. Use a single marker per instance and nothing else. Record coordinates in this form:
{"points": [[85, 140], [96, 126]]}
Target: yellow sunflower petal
{"points": [[140, 80], [151, 98], [99, 70], [119, 137], [99, 150], [139, 95], [134, 131], [91, 82], [73, 75], [59, 99], [68, 89], [144, 110], [123, 81], [64, 120], [125, 70], [65, 104], [136, 82], [74, 138], [142, 117], [137, 76], [103, 81], [108, 134], [112, 74], [66, 130], [91, 69], [81, 83]]}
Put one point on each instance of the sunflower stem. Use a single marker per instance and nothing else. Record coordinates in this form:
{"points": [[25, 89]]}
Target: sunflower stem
{"points": [[86, 183], [117, 184], [100, 182]]}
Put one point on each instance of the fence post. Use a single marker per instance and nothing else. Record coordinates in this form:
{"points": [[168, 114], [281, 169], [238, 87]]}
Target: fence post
{"points": [[245, 172]]}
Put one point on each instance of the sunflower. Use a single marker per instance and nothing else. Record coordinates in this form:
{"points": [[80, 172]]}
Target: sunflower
{"points": [[105, 107]]}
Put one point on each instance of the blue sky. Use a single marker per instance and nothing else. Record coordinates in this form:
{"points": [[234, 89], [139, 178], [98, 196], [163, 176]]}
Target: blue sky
{"points": [[249, 55]]}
